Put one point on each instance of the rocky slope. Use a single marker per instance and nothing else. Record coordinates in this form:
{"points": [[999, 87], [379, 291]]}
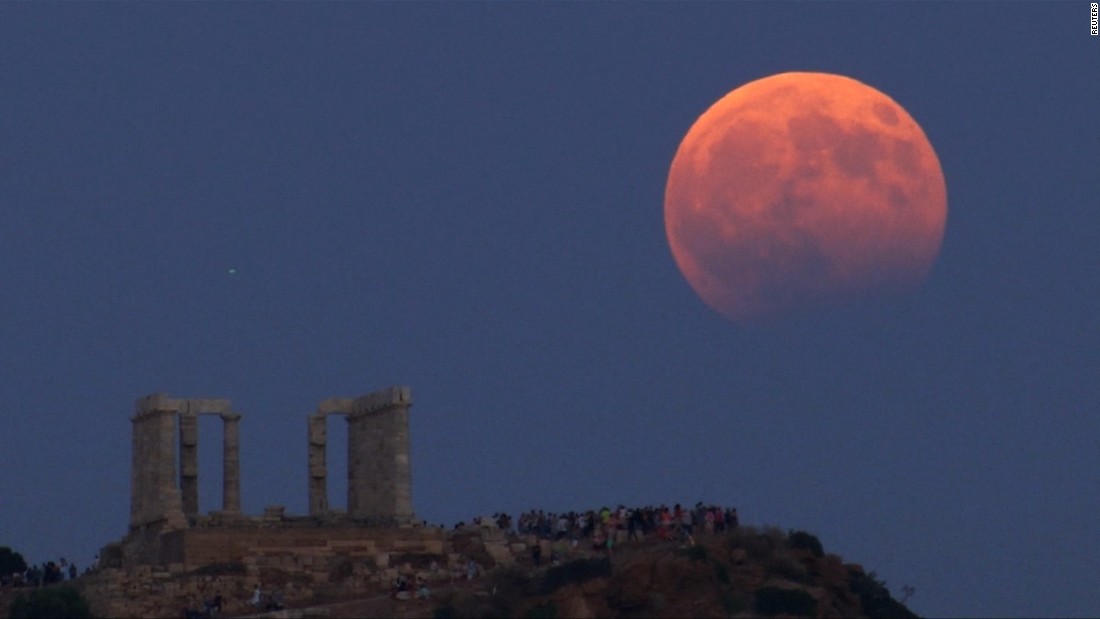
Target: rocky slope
{"points": [[746, 573]]}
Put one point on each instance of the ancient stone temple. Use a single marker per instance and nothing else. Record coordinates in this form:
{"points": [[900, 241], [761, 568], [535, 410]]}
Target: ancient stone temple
{"points": [[173, 557], [155, 496], [379, 480], [165, 523]]}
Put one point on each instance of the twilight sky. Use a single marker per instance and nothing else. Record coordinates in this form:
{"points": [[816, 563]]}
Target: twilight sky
{"points": [[468, 199]]}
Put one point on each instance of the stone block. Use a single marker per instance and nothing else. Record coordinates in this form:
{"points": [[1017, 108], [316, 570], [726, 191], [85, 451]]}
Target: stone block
{"points": [[500, 553]]}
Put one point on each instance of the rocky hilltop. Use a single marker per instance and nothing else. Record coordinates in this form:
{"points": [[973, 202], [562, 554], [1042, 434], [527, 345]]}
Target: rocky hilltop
{"points": [[743, 573]]}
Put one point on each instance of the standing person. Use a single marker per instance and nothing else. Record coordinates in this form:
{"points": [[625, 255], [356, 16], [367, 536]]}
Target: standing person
{"points": [[72, 571], [254, 601], [536, 554], [422, 592], [598, 540]]}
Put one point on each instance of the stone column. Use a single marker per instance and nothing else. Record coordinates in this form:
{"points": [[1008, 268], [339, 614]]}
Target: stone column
{"points": [[138, 447], [169, 502], [359, 471], [155, 498], [231, 463], [189, 462], [379, 476], [318, 471]]}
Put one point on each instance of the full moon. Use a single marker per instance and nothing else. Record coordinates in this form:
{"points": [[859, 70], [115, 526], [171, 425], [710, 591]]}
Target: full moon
{"points": [[800, 191]]}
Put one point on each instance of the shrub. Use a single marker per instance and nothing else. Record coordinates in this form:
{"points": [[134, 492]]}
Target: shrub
{"points": [[50, 602], [542, 611], [734, 604], [777, 601], [756, 545], [11, 562], [805, 541], [470, 607], [508, 586], [787, 567], [875, 597], [575, 572], [722, 573], [696, 553]]}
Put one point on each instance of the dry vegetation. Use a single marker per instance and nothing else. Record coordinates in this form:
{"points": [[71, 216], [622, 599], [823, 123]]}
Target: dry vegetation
{"points": [[745, 573]]}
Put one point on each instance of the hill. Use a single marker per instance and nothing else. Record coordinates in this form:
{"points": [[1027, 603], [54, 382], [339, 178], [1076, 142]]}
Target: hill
{"points": [[747, 572], [743, 573]]}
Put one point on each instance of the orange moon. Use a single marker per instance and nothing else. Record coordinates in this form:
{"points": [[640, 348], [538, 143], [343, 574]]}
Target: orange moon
{"points": [[800, 191]]}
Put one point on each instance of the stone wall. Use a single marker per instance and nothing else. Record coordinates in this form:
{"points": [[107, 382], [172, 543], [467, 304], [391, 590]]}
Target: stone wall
{"points": [[306, 565]]}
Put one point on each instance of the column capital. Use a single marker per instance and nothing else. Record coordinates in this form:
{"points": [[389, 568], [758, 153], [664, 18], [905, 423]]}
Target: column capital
{"points": [[230, 416]]}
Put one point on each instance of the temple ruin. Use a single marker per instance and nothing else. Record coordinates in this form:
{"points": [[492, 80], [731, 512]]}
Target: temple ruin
{"points": [[164, 505], [154, 495], [379, 480]]}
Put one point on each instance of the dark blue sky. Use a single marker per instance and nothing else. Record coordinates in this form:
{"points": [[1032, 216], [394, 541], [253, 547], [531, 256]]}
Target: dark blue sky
{"points": [[468, 199]]}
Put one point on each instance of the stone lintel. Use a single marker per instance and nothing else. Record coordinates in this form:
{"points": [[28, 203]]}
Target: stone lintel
{"points": [[158, 402], [383, 399], [335, 406], [208, 406]]}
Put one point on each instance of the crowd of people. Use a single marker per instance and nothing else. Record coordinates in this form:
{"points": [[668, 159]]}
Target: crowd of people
{"points": [[603, 527], [663, 521], [48, 573]]}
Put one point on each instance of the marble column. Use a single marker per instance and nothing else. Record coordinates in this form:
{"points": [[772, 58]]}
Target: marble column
{"points": [[139, 447], [189, 462], [358, 472], [169, 502], [231, 463], [318, 471]]}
